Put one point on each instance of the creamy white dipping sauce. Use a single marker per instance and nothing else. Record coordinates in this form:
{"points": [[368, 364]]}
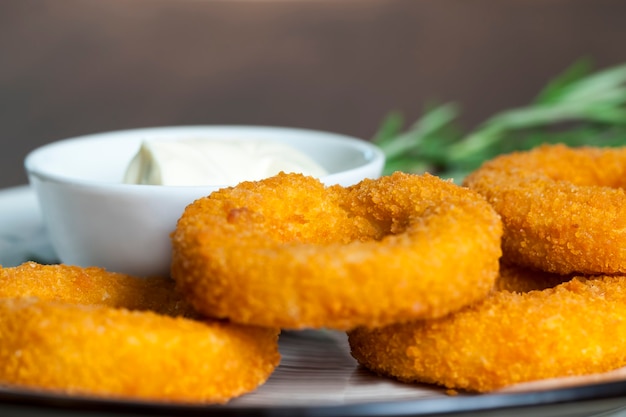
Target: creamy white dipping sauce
{"points": [[215, 162]]}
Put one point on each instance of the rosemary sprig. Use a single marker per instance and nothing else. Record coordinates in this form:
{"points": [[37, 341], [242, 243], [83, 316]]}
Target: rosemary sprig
{"points": [[576, 108]]}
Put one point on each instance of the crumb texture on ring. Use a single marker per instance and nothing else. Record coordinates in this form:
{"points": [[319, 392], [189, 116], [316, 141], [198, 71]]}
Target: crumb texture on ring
{"points": [[558, 308], [292, 253], [92, 333], [563, 209]]}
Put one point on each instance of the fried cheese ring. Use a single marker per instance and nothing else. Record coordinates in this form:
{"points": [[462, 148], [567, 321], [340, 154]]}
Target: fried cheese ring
{"points": [[563, 209], [93, 285], [573, 329], [70, 329], [289, 252], [116, 353]]}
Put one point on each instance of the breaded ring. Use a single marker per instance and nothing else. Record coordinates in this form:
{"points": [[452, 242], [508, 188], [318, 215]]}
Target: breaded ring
{"points": [[92, 285], [117, 353], [563, 209], [575, 328], [289, 252]]}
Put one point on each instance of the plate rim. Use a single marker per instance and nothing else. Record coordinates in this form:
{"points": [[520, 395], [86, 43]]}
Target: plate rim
{"points": [[440, 406]]}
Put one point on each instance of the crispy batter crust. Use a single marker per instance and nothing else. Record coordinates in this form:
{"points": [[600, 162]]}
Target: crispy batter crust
{"points": [[117, 353], [575, 328], [92, 285], [563, 209], [288, 252], [72, 330]]}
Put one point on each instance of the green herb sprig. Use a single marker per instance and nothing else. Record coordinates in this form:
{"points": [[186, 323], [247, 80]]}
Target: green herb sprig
{"points": [[579, 107]]}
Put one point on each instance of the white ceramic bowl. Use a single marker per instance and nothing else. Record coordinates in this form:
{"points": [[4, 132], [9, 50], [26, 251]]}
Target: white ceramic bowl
{"points": [[92, 218]]}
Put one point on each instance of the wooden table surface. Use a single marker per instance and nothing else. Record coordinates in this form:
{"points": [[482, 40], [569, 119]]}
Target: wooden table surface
{"points": [[70, 67]]}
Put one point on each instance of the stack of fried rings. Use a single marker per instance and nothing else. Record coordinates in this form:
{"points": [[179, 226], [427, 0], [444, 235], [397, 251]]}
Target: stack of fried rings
{"points": [[563, 211], [289, 252], [70, 329]]}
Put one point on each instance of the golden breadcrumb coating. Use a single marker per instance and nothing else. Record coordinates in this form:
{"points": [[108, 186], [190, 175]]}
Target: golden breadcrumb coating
{"points": [[117, 353], [575, 328], [92, 285], [289, 252], [563, 209]]}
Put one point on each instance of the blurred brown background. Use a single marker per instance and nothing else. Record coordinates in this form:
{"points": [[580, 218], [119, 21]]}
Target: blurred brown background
{"points": [[70, 67]]}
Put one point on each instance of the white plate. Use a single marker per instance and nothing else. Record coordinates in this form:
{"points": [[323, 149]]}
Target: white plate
{"points": [[317, 375]]}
